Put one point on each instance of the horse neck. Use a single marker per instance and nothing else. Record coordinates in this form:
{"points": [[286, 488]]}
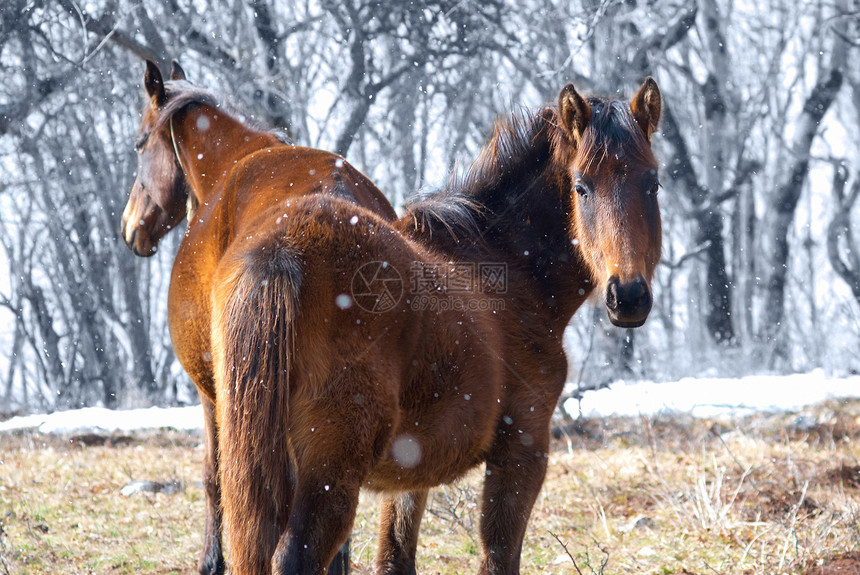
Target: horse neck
{"points": [[210, 142], [528, 229], [523, 223]]}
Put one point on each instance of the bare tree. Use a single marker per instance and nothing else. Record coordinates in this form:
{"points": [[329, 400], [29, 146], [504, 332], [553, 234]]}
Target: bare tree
{"points": [[787, 193]]}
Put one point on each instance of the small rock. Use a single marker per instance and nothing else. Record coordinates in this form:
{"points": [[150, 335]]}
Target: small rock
{"points": [[561, 559], [166, 487], [637, 523]]}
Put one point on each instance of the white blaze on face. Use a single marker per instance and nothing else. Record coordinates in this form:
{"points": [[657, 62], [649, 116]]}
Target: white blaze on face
{"points": [[130, 221]]}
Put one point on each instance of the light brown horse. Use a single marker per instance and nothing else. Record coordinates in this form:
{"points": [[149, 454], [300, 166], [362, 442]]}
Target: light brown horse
{"points": [[198, 158], [354, 353]]}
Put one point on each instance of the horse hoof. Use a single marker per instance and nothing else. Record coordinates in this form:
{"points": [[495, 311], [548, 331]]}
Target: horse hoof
{"points": [[211, 566]]}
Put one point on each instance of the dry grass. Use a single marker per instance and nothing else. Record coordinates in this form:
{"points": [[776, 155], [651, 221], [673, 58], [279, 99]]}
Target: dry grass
{"points": [[763, 495]]}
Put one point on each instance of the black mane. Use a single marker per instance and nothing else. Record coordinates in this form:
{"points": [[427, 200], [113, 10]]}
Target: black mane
{"points": [[520, 144]]}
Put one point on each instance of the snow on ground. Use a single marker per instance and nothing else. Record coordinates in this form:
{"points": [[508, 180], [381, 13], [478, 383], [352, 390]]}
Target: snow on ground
{"points": [[700, 397], [715, 397], [99, 419]]}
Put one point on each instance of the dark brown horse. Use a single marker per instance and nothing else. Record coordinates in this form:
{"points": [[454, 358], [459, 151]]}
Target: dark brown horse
{"points": [[198, 158], [354, 353]]}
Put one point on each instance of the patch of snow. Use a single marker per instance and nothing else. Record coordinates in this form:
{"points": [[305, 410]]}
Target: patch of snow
{"points": [[716, 397], [99, 419], [699, 397], [166, 487]]}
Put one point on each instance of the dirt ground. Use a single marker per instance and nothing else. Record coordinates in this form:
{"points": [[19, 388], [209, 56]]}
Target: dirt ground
{"points": [[768, 494]]}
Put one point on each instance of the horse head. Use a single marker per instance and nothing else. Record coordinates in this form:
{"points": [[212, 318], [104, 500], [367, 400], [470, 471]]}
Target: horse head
{"points": [[158, 198], [612, 177]]}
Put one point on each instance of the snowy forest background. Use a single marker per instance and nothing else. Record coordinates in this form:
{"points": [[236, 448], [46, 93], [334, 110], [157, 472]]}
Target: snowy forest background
{"points": [[759, 152]]}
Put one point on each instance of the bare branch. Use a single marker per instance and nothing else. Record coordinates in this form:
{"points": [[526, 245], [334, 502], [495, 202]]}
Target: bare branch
{"points": [[840, 231], [105, 26], [566, 551]]}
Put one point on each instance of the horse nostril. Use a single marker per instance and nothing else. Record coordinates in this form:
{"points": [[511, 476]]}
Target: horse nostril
{"points": [[612, 293], [644, 298]]}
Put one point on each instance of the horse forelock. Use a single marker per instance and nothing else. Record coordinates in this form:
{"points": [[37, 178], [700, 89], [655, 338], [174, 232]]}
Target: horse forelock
{"points": [[612, 130]]}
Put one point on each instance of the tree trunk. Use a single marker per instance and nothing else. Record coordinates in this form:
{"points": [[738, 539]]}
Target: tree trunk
{"points": [[49, 342], [709, 232], [17, 344], [787, 195], [709, 220], [846, 262], [718, 317], [277, 108], [137, 327]]}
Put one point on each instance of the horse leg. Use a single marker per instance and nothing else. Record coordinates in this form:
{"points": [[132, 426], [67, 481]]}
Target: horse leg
{"points": [[340, 563], [398, 532], [335, 445], [320, 521], [516, 467], [211, 557]]}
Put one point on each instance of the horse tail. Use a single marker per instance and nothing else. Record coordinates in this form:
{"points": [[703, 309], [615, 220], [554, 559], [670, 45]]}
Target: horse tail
{"points": [[254, 308]]}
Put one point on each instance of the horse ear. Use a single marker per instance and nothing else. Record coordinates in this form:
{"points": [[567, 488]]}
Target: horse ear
{"points": [[154, 83], [176, 71], [574, 111], [647, 106]]}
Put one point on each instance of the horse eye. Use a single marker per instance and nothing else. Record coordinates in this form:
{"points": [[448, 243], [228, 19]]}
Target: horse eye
{"points": [[581, 190], [652, 191], [141, 142]]}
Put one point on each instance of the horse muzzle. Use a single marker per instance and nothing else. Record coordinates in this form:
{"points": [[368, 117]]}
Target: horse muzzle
{"points": [[628, 304], [139, 241]]}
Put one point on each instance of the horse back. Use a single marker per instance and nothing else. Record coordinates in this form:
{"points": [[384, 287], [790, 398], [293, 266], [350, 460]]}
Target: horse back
{"points": [[265, 178]]}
